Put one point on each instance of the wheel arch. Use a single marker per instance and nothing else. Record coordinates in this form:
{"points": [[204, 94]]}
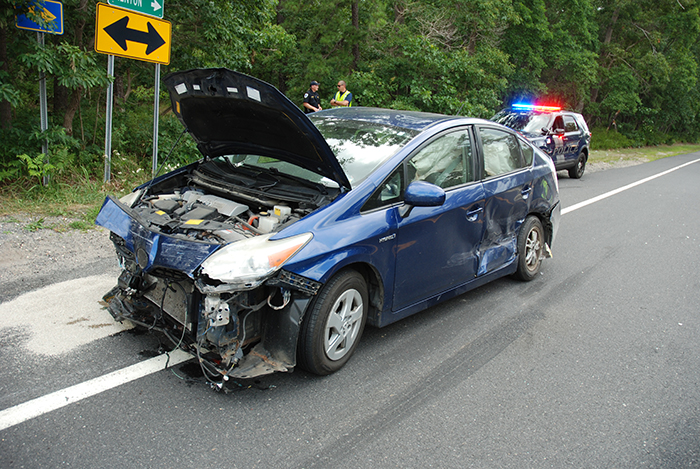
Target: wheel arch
{"points": [[547, 225], [375, 287], [585, 151]]}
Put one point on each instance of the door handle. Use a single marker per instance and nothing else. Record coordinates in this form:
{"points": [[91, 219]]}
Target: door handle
{"points": [[527, 190], [473, 214]]}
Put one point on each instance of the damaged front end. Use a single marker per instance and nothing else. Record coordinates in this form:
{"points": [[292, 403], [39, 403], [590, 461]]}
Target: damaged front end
{"points": [[203, 270]]}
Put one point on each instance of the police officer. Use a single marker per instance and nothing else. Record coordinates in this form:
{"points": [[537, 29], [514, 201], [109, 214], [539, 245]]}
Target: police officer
{"points": [[312, 101], [343, 97]]}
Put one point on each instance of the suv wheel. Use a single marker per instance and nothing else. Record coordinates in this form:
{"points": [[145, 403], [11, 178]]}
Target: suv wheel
{"points": [[577, 171]]}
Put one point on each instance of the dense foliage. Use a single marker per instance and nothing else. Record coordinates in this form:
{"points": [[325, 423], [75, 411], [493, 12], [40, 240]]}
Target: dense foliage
{"points": [[630, 67]]}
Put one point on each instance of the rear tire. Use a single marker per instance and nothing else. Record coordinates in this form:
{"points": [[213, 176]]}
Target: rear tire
{"points": [[577, 171], [530, 249], [332, 328]]}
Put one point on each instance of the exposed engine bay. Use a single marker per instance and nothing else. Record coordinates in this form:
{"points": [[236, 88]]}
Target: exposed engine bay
{"points": [[173, 237]]}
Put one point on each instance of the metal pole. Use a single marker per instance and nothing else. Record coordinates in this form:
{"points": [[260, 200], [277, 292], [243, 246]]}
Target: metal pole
{"points": [[108, 120], [156, 114], [44, 112]]}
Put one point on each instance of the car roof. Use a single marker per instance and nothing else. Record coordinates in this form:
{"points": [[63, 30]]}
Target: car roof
{"points": [[411, 120]]}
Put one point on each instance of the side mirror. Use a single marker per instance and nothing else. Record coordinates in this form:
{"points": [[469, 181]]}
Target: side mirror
{"points": [[421, 194]]}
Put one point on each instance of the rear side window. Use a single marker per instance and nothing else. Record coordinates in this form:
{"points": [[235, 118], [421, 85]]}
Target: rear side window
{"points": [[570, 124], [528, 152], [501, 152], [582, 123]]}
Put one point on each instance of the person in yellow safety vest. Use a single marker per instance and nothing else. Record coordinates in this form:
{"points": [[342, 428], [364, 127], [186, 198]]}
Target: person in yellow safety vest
{"points": [[343, 97]]}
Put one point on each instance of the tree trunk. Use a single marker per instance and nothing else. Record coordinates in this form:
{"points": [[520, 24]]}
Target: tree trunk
{"points": [[71, 110], [281, 82], [356, 26], [70, 99], [280, 16], [5, 106], [61, 96], [399, 9], [607, 40]]}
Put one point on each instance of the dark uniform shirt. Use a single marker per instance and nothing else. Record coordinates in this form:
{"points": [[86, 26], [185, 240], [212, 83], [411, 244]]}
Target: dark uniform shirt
{"points": [[312, 98]]}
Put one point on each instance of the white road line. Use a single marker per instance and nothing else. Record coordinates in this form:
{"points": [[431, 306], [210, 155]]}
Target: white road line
{"points": [[56, 400], [579, 205]]}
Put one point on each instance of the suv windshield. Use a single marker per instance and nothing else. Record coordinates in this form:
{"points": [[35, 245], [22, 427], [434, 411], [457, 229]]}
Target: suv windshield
{"points": [[528, 122], [361, 146]]}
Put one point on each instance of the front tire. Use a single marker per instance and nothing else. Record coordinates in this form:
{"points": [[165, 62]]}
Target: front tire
{"points": [[530, 249], [332, 328], [577, 171]]}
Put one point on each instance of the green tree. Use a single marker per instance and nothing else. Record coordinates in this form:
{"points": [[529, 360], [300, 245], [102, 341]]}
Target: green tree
{"points": [[571, 58], [527, 41], [648, 62]]}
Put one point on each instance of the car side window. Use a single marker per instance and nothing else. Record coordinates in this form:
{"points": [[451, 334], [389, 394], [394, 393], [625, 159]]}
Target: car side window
{"points": [[570, 124], [558, 123], [501, 152], [528, 152], [445, 162], [388, 193]]}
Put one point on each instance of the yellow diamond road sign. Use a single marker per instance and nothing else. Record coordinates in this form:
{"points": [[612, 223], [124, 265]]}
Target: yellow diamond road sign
{"points": [[132, 35]]}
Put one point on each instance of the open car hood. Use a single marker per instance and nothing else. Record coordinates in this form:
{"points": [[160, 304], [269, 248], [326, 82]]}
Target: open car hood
{"points": [[227, 112]]}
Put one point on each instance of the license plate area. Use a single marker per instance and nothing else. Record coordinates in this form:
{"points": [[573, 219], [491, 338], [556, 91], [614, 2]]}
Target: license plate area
{"points": [[174, 296]]}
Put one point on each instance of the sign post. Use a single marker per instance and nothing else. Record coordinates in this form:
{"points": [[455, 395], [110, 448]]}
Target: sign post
{"points": [[43, 111], [156, 111], [108, 120], [52, 14]]}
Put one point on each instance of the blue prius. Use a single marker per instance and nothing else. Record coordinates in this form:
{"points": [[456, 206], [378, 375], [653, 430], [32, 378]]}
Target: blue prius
{"points": [[293, 232]]}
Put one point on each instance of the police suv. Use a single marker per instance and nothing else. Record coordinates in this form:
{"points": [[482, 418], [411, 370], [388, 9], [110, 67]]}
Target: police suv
{"points": [[563, 135]]}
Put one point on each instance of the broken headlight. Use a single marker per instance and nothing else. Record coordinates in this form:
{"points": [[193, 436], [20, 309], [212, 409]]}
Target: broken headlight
{"points": [[248, 263]]}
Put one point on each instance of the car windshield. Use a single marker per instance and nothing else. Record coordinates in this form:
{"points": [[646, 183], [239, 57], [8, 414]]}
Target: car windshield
{"points": [[528, 122], [361, 146]]}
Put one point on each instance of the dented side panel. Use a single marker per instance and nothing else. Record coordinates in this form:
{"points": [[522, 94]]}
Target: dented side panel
{"points": [[507, 204]]}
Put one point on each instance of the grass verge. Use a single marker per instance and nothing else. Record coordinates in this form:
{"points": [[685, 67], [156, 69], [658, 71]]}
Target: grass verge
{"points": [[640, 155]]}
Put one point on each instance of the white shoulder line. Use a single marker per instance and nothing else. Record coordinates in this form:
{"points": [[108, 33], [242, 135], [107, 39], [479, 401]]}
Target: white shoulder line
{"points": [[56, 400], [621, 189]]}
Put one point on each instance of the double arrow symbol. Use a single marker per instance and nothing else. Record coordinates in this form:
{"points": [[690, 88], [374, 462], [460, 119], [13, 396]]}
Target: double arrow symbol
{"points": [[120, 32]]}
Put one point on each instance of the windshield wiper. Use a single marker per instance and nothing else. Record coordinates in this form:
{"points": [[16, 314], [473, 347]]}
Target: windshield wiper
{"points": [[276, 173]]}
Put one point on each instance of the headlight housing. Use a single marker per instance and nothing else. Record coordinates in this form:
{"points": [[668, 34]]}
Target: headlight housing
{"points": [[248, 263]]}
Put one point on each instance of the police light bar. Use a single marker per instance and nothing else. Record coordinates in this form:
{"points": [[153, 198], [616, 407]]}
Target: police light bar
{"points": [[534, 107]]}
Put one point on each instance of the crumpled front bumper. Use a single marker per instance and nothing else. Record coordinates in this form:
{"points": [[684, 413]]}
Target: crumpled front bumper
{"points": [[234, 334]]}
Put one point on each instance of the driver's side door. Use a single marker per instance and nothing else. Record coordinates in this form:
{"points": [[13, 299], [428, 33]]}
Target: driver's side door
{"points": [[436, 248]]}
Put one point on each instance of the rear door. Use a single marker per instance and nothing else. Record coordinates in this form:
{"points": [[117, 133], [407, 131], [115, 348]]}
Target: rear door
{"points": [[572, 139], [507, 182]]}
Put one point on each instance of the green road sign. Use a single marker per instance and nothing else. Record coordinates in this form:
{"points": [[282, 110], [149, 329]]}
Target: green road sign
{"points": [[147, 7]]}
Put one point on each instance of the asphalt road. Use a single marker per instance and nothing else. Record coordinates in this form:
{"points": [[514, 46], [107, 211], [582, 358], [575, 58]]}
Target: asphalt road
{"points": [[594, 364]]}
